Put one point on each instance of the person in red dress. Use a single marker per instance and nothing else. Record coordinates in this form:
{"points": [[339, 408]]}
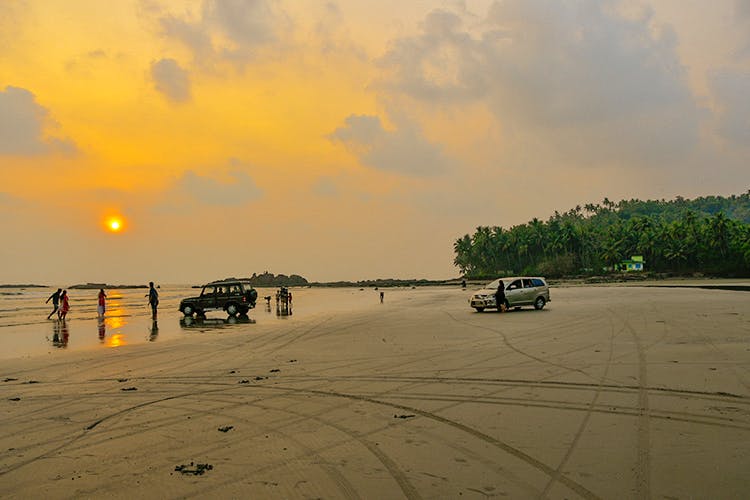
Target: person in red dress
{"points": [[102, 301], [65, 305]]}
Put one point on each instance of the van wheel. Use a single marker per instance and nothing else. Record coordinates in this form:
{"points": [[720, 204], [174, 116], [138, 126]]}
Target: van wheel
{"points": [[479, 309], [188, 310], [539, 303]]}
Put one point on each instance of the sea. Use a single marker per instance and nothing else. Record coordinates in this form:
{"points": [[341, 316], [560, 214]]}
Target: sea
{"points": [[26, 331]]}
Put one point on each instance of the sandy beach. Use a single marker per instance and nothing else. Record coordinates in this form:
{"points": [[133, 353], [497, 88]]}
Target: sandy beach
{"points": [[609, 392]]}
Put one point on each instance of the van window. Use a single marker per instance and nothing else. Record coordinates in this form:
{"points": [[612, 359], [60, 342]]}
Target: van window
{"points": [[527, 283], [209, 290], [537, 282], [516, 284]]}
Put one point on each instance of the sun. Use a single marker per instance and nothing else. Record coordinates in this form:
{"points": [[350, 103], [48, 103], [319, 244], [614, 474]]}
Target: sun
{"points": [[114, 224]]}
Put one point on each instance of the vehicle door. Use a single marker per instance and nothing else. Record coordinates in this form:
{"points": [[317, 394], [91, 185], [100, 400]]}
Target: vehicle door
{"points": [[222, 296], [236, 292], [541, 289], [514, 292], [208, 297], [529, 291]]}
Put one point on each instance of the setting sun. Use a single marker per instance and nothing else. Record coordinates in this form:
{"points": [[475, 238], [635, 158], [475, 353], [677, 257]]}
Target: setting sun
{"points": [[114, 224]]}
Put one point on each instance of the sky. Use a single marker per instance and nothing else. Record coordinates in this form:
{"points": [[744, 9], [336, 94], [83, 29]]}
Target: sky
{"points": [[347, 140]]}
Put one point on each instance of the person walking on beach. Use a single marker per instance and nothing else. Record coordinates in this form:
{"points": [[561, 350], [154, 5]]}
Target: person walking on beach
{"points": [[102, 301], [382, 296], [500, 296], [64, 307], [55, 298], [153, 298]]}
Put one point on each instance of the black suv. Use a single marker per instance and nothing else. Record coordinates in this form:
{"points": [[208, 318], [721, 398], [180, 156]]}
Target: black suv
{"points": [[234, 296]]}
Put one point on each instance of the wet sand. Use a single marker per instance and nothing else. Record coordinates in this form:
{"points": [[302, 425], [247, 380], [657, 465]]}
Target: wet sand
{"points": [[609, 392]]}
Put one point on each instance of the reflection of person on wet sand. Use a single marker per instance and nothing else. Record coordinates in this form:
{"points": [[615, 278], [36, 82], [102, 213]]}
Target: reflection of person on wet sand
{"points": [[55, 298], [102, 329], [64, 333], [60, 335], [65, 305], [153, 331], [100, 308]]}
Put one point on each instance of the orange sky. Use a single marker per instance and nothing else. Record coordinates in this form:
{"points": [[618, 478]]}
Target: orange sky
{"points": [[346, 140]]}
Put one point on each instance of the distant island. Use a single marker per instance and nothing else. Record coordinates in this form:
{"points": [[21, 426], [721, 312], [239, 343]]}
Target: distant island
{"points": [[97, 286], [270, 280], [22, 286], [388, 282]]}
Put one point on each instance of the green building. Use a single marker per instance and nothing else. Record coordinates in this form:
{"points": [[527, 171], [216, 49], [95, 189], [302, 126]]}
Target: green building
{"points": [[635, 263]]}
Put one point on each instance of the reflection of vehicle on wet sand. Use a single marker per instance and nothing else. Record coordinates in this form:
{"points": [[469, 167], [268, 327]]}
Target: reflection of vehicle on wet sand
{"points": [[203, 323]]}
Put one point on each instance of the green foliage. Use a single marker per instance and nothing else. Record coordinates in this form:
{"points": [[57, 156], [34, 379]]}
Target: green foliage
{"points": [[709, 235]]}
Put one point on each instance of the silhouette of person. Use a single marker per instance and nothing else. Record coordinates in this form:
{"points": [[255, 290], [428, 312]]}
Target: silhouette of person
{"points": [[55, 298], [500, 296], [382, 296], [100, 308], [153, 298], [65, 305]]}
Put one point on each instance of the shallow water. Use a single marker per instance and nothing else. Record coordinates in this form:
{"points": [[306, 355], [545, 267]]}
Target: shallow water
{"points": [[26, 331]]}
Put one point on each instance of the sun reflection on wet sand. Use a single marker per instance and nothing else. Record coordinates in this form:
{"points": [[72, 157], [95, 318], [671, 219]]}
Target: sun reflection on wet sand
{"points": [[116, 340], [114, 320]]}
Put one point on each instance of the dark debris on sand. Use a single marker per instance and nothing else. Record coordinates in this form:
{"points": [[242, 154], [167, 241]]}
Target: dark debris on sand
{"points": [[193, 469], [226, 428], [129, 389], [403, 416]]}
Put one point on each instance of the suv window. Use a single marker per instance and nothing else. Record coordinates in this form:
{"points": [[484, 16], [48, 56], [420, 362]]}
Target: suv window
{"points": [[537, 282], [236, 289], [527, 283], [209, 290], [514, 285]]}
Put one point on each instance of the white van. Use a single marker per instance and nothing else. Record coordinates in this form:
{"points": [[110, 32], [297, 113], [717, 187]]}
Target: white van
{"points": [[519, 291]]}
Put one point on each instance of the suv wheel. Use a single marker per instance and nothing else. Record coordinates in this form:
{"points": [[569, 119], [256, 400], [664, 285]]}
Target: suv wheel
{"points": [[539, 303], [188, 310], [232, 309]]}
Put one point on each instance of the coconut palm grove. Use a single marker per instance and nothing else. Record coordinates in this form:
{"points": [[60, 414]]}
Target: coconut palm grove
{"points": [[708, 235]]}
